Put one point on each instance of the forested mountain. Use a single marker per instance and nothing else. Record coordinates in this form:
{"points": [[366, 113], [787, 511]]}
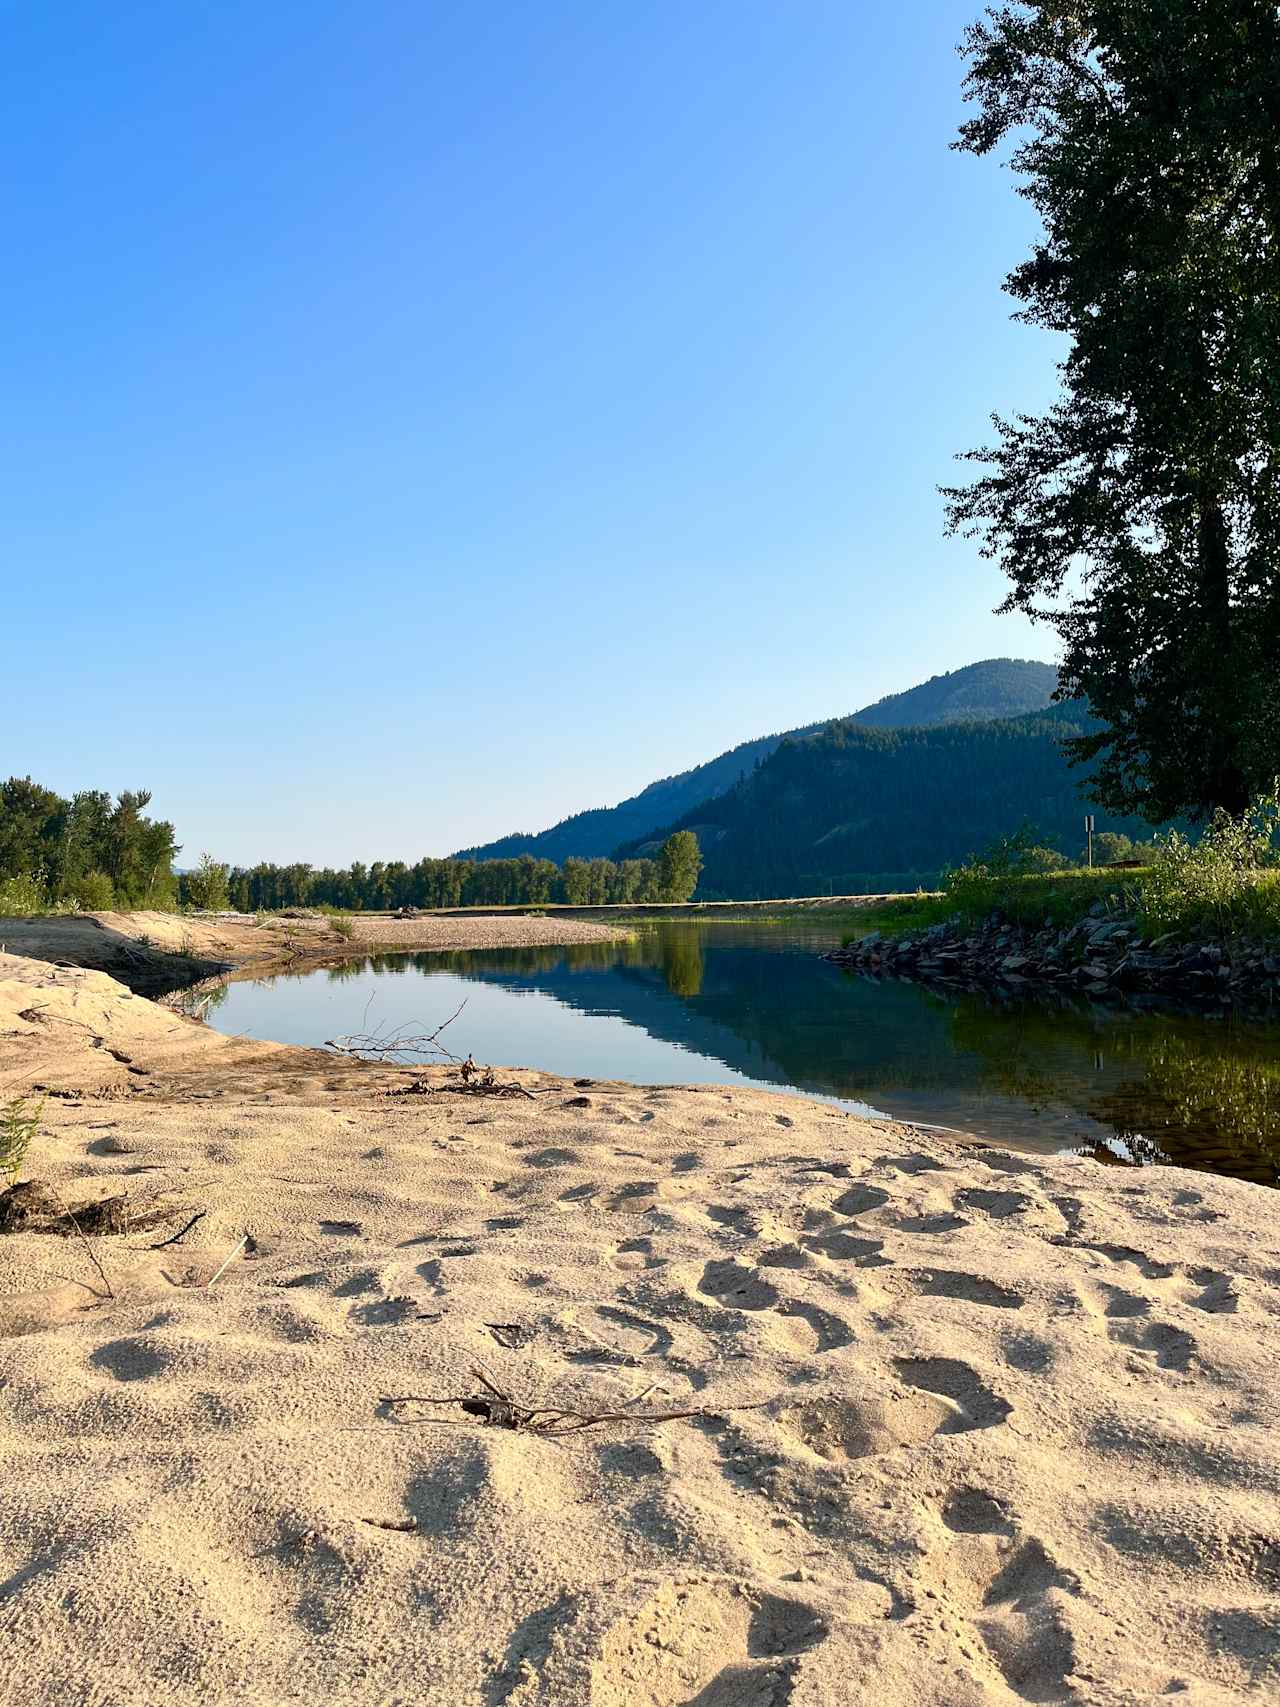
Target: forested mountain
{"points": [[857, 809], [998, 687], [1001, 687]]}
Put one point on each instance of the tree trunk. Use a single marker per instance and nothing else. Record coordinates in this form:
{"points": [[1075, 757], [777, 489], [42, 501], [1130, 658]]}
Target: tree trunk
{"points": [[1225, 781]]}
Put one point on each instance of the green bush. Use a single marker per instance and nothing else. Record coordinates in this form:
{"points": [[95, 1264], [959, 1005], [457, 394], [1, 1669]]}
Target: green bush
{"points": [[344, 926], [22, 896], [94, 892], [206, 887], [19, 1123], [1227, 884]]}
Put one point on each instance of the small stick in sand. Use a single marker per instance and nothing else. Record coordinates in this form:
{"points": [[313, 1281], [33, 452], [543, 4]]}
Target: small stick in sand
{"points": [[93, 1255], [174, 1237], [227, 1264]]}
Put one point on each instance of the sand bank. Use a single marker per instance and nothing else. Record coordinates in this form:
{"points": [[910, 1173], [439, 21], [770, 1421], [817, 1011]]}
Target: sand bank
{"points": [[1014, 1435]]}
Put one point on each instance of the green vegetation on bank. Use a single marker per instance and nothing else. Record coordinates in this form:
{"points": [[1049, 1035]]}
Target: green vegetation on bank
{"points": [[1223, 886], [91, 853]]}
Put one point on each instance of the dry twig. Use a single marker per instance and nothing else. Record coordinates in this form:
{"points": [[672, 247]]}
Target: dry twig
{"points": [[223, 1267], [93, 1255], [397, 1045], [174, 1237], [500, 1410]]}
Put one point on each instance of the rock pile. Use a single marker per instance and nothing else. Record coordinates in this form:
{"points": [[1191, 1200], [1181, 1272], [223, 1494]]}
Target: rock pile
{"points": [[1099, 957]]}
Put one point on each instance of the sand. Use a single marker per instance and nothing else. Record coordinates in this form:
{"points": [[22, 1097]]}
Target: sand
{"points": [[1013, 1438]]}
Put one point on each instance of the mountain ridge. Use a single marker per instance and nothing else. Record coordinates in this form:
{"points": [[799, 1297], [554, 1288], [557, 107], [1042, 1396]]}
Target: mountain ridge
{"points": [[856, 807], [990, 688]]}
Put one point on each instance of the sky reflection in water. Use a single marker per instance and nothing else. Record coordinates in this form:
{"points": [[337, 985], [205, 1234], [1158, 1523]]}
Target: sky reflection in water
{"points": [[752, 1004]]}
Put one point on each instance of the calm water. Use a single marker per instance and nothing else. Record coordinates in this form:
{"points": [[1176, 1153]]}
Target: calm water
{"points": [[751, 1004]]}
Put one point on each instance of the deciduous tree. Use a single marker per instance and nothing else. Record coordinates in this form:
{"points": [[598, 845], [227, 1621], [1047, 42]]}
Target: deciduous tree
{"points": [[1141, 513]]}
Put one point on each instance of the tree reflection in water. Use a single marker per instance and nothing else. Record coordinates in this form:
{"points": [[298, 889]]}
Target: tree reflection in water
{"points": [[1129, 1084]]}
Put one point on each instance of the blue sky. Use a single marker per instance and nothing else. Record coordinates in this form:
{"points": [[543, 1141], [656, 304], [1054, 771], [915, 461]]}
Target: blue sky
{"points": [[422, 421]]}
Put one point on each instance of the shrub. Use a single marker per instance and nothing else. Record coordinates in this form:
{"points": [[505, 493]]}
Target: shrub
{"points": [[344, 926], [22, 895], [1227, 883], [206, 887], [94, 892], [19, 1123]]}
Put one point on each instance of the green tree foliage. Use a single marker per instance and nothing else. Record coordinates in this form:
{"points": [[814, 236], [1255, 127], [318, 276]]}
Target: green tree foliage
{"points": [[679, 862], [1110, 849], [435, 883], [1148, 140], [206, 887], [88, 850], [94, 892]]}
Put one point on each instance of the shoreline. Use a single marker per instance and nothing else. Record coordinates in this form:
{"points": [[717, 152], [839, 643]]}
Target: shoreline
{"points": [[157, 954], [963, 1425], [1098, 958]]}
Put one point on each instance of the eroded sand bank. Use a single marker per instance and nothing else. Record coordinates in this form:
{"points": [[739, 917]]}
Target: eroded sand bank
{"points": [[1016, 1436]]}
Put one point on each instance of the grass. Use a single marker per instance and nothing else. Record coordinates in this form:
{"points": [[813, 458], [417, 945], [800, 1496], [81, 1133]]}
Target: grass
{"points": [[19, 1123], [1186, 894]]}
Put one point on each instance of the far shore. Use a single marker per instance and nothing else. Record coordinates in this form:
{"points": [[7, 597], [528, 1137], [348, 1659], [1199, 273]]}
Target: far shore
{"points": [[156, 953]]}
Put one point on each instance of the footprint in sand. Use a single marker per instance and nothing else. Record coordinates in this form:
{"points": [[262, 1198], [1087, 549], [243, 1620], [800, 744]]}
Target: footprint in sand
{"points": [[741, 1288], [844, 1430], [965, 1288], [705, 1645], [633, 1256], [1011, 1594], [1170, 1347], [603, 1333]]}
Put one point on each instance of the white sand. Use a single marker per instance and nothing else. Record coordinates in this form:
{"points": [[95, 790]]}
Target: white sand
{"points": [[1017, 1437]]}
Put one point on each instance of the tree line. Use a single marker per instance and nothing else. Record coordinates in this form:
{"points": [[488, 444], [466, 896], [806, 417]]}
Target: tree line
{"points": [[89, 850], [385, 886], [94, 852], [389, 885]]}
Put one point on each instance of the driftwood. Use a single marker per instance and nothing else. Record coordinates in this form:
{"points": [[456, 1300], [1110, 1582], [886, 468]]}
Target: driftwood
{"points": [[398, 1044], [495, 1409]]}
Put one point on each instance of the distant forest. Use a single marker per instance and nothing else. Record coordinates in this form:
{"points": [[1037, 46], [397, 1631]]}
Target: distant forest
{"points": [[671, 875], [857, 809], [94, 852]]}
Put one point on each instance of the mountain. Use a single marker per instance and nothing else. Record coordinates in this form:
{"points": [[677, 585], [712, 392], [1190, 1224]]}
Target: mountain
{"points": [[856, 808], [998, 687]]}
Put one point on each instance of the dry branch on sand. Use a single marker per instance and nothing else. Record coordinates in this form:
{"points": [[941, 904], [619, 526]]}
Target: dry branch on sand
{"points": [[404, 1046], [399, 1045], [500, 1410]]}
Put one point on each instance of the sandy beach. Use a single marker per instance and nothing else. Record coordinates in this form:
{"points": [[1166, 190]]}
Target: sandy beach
{"points": [[965, 1426]]}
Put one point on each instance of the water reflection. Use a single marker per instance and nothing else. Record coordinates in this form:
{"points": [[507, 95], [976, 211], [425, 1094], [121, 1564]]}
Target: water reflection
{"points": [[754, 1004]]}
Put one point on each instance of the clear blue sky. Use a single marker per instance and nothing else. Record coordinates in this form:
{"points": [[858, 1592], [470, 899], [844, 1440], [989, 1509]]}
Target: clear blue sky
{"points": [[424, 420]]}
